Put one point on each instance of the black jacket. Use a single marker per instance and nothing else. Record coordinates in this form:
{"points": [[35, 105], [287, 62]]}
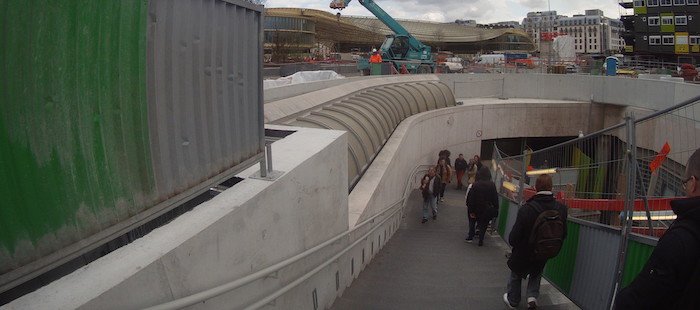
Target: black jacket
{"points": [[437, 185], [664, 281], [521, 261], [460, 164], [482, 193]]}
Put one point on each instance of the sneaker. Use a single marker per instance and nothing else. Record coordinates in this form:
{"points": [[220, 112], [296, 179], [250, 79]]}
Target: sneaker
{"points": [[424, 220], [469, 239], [508, 304], [531, 303], [442, 199]]}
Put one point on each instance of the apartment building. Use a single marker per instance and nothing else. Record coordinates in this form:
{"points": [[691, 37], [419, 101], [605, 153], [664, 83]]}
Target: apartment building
{"points": [[593, 33], [665, 29], [537, 23]]}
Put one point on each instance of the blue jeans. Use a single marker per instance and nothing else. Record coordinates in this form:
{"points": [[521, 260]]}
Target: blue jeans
{"points": [[431, 203], [533, 286]]}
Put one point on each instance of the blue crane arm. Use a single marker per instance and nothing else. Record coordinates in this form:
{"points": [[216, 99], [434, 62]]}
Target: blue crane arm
{"points": [[384, 18]]}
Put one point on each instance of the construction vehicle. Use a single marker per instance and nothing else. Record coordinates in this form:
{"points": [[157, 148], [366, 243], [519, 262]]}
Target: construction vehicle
{"points": [[404, 51]]}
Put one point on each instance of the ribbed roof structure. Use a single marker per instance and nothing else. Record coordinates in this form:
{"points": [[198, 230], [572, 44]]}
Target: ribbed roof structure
{"points": [[363, 30]]}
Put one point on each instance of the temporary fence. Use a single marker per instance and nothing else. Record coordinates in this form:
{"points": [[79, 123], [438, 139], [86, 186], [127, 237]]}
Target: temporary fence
{"points": [[617, 184]]}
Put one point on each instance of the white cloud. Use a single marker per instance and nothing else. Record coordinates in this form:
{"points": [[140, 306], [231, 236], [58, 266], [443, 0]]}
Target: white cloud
{"points": [[483, 11]]}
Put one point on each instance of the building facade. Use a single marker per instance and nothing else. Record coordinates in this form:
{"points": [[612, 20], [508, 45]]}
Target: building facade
{"points": [[593, 33], [537, 23], [298, 31], [668, 30]]}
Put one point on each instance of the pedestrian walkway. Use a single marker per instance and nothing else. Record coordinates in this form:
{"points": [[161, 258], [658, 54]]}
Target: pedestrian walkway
{"points": [[431, 266]]}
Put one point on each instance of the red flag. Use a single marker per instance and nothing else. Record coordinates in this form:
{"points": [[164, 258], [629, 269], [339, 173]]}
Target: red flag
{"points": [[656, 163]]}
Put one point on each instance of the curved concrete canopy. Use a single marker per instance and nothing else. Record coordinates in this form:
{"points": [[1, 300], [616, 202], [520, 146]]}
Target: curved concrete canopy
{"points": [[370, 115]]}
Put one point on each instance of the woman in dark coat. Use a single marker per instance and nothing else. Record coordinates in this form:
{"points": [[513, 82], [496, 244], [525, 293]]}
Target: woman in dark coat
{"points": [[482, 202]]}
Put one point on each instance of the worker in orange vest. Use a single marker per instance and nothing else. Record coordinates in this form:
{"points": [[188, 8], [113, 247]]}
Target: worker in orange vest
{"points": [[375, 58]]}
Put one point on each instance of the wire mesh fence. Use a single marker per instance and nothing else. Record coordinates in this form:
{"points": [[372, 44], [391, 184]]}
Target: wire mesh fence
{"points": [[622, 176]]}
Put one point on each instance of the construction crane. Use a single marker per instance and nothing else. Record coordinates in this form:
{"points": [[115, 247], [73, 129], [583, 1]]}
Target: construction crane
{"points": [[403, 50]]}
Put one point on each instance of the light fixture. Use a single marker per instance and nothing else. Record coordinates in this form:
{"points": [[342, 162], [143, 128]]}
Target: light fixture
{"points": [[510, 186], [542, 171]]}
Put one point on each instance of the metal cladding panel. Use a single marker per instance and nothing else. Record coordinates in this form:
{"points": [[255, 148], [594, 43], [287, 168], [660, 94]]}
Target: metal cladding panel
{"points": [[205, 95], [595, 268], [637, 256], [112, 108], [74, 155], [560, 269]]}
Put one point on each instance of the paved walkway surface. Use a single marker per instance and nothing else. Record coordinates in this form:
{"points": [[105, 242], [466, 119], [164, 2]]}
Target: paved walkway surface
{"points": [[431, 266]]}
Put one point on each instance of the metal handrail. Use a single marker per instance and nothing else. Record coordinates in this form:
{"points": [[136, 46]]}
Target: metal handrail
{"points": [[229, 286]]}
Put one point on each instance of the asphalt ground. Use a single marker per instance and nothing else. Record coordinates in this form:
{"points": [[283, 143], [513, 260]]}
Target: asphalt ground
{"points": [[431, 266]]}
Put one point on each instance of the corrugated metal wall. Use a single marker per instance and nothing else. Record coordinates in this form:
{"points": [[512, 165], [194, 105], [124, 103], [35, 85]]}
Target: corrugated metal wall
{"points": [[595, 266], [204, 85], [116, 109], [73, 132]]}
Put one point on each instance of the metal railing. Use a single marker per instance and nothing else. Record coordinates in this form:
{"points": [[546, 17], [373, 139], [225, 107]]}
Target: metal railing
{"points": [[617, 183], [349, 240]]}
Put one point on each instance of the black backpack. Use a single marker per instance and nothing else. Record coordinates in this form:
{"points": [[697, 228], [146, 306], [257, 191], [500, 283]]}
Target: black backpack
{"points": [[547, 235]]}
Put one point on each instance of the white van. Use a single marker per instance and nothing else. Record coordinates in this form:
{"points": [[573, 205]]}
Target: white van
{"points": [[491, 59]]}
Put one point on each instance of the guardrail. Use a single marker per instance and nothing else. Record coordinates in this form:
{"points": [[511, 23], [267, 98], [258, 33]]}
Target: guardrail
{"points": [[622, 179], [365, 228]]}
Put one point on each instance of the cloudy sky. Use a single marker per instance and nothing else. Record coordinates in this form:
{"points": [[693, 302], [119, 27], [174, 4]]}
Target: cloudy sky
{"points": [[483, 11]]}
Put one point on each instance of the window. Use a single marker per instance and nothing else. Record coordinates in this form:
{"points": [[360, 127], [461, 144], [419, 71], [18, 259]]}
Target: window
{"points": [[681, 20], [694, 40], [654, 20], [652, 2], [667, 20], [682, 40], [667, 40], [678, 2], [665, 2], [692, 2], [654, 40], [638, 3]]}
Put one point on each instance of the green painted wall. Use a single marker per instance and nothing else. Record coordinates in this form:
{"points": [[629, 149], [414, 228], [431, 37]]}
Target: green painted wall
{"points": [[637, 256], [560, 270], [74, 154], [503, 217]]}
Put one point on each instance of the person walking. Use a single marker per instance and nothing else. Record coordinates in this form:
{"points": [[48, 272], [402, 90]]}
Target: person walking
{"points": [[477, 162], [430, 188], [461, 168], [444, 172], [671, 277], [472, 168], [482, 202], [524, 262]]}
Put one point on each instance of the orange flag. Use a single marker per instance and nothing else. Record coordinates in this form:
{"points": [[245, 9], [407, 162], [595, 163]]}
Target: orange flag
{"points": [[656, 163]]}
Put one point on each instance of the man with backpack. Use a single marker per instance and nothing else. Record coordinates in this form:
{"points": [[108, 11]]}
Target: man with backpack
{"points": [[537, 235]]}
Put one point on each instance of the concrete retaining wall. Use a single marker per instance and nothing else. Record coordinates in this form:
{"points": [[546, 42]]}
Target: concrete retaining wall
{"points": [[246, 228], [641, 93]]}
